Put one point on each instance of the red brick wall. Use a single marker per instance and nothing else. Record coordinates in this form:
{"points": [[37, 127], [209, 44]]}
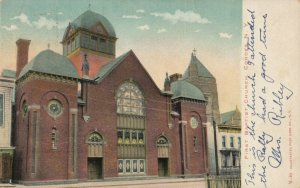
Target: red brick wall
{"points": [[95, 61], [51, 164], [196, 161]]}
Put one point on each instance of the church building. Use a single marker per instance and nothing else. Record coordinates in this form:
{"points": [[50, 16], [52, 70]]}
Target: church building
{"points": [[87, 114]]}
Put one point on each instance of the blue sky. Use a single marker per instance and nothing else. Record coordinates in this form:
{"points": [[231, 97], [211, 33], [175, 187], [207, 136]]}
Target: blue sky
{"points": [[162, 33]]}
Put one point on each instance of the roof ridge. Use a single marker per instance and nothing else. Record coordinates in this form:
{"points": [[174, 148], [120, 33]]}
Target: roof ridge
{"points": [[228, 112]]}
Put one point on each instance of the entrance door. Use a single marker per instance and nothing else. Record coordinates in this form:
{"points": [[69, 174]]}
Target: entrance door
{"points": [[163, 167], [95, 168]]}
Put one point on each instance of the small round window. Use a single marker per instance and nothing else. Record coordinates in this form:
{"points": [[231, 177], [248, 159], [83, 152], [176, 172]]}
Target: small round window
{"points": [[194, 122], [54, 108]]}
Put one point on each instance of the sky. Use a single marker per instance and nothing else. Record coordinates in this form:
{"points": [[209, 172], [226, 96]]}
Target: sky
{"points": [[162, 33]]}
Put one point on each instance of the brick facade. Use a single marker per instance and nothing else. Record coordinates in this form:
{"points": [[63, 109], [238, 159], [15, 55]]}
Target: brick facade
{"points": [[54, 145]]}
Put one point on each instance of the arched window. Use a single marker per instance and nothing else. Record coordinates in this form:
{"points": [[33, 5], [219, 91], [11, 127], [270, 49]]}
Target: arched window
{"points": [[162, 141], [95, 138], [95, 145], [162, 147], [130, 99]]}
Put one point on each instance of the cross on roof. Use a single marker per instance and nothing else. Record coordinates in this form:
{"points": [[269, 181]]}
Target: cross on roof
{"points": [[194, 51]]}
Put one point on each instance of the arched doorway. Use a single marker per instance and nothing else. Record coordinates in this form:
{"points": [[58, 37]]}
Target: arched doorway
{"points": [[163, 156], [95, 156]]}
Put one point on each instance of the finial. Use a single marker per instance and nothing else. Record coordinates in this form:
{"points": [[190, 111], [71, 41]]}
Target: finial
{"points": [[48, 45], [167, 75], [194, 52], [90, 5]]}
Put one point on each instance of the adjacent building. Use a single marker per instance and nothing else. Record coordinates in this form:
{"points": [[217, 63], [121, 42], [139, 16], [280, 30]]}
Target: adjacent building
{"points": [[7, 83], [229, 143], [88, 114]]}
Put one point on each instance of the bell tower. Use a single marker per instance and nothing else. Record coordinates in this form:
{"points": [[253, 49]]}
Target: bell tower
{"points": [[93, 35]]}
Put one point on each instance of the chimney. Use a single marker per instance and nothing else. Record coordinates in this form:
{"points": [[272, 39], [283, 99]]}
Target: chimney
{"points": [[175, 77], [22, 55]]}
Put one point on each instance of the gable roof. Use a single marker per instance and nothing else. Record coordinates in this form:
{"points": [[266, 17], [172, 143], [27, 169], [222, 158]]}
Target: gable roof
{"points": [[201, 69], [227, 116], [109, 67], [106, 69], [50, 62]]}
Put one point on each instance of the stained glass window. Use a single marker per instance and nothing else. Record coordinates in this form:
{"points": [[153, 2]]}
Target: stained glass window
{"points": [[130, 99], [95, 138], [134, 137], [162, 141], [120, 136], [141, 137], [127, 137]]}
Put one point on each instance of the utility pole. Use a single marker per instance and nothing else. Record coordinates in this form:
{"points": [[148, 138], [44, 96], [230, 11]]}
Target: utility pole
{"points": [[216, 149]]}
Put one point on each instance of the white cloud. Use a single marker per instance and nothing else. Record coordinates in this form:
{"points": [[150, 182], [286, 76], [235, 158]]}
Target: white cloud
{"points": [[60, 13], [22, 18], [131, 16], [143, 27], [197, 31], [44, 22], [140, 11], [180, 16], [161, 30], [225, 35], [10, 28]]}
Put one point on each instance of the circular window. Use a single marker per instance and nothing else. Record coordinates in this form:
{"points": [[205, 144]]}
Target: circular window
{"points": [[194, 122], [54, 108]]}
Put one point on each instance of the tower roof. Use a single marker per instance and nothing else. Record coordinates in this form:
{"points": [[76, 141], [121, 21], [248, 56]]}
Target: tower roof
{"points": [[50, 62], [201, 69], [182, 88], [89, 19]]}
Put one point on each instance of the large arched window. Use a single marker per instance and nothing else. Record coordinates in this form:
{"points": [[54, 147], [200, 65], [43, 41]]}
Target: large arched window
{"points": [[130, 129], [130, 99]]}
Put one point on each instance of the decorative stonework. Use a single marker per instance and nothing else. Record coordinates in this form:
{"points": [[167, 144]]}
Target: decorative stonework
{"points": [[42, 76]]}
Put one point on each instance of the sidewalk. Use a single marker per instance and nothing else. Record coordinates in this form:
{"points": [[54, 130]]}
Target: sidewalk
{"points": [[165, 183]]}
